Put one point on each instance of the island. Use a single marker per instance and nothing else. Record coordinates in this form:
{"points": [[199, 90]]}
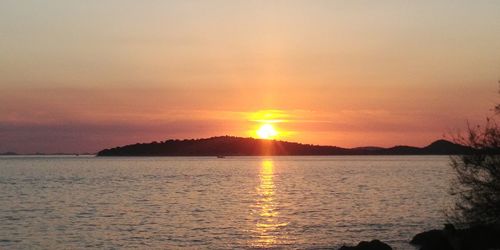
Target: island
{"points": [[240, 146]]}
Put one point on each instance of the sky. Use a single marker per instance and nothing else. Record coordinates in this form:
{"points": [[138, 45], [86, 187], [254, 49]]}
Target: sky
{"points": [[81, 76]]}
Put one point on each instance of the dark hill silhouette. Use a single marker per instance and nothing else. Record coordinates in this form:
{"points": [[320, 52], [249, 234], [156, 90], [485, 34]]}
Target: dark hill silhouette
{"points": [[444, 146], [238, 146]]}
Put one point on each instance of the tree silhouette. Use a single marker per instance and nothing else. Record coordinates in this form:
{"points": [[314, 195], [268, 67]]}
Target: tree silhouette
{"points": [[477, 186]]}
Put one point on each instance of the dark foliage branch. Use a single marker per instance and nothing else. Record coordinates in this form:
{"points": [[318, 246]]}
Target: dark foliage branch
{"points": [[477, 186]]}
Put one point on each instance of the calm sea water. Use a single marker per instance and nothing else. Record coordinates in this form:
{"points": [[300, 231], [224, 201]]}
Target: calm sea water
{"points": [[236, 202]]}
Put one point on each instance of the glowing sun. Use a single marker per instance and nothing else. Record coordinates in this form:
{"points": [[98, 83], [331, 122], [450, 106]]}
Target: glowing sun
{"points": [[267, 131]]}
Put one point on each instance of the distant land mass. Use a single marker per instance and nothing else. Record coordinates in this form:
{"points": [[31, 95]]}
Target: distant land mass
{"points": [[8, 153], [239, 146]]}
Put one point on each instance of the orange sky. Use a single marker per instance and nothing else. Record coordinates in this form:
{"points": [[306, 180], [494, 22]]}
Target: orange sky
{"points": [[82, 76]]}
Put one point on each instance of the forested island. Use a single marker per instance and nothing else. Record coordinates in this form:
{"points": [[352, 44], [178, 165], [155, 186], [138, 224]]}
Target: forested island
{"points": [[239, 146]]}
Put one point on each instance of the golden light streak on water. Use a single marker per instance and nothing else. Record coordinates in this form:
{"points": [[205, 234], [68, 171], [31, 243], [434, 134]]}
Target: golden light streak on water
{"points": [[268, 226]]}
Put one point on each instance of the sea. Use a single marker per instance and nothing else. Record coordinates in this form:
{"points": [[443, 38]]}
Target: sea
{"points": [[292, 202]]}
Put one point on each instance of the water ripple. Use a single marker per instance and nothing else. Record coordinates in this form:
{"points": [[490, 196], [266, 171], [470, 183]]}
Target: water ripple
{"points": [[240, 202]]}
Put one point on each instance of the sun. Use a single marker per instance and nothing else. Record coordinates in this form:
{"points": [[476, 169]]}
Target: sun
{"points": [[267, 131]]}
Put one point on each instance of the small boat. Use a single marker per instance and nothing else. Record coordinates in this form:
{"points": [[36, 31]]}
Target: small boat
{"points": [[221, 156]]}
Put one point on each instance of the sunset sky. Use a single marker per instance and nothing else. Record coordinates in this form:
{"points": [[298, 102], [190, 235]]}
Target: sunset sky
{"points": [[80, 76]]}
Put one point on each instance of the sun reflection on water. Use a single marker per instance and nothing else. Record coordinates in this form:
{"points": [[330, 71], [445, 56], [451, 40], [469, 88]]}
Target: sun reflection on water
{"points": [[268, 224]]}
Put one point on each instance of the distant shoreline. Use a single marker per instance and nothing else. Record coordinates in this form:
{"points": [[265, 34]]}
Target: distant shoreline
{"points": [[202, 156], [239, 146]]}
